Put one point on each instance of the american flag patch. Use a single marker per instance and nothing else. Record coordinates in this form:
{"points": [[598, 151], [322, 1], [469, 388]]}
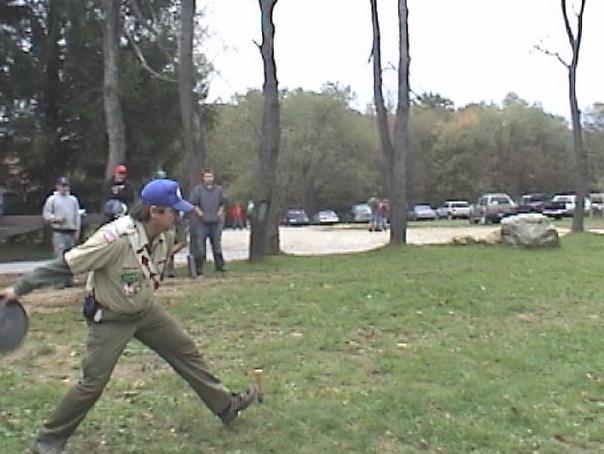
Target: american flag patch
{"points": [[110, 236]]}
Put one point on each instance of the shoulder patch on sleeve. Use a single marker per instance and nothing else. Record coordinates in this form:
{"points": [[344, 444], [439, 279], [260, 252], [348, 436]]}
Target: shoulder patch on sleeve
{"points": [[120, 227], [110, 235]]}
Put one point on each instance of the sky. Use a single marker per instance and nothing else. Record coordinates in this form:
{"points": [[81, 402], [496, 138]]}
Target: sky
{"points": [[465, 50]]}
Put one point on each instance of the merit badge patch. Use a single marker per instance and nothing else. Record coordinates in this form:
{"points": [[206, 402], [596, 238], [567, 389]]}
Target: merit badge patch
{"points": [[131, 283]]}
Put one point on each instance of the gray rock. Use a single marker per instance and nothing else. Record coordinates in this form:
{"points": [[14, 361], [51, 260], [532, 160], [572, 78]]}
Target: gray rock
{"points": [[531, 230]]}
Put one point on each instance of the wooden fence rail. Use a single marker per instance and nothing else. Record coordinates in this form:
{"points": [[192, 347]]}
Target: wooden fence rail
{"points": [[16, 225]]}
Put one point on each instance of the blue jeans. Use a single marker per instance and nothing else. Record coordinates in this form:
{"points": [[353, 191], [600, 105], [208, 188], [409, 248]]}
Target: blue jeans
{"points": [[201, 233]]}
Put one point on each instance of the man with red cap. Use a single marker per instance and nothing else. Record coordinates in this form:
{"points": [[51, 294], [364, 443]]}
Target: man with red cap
{"points": [[119, 188]]}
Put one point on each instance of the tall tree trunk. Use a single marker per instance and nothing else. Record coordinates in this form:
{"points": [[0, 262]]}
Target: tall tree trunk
{"points": [[114, 118], [264, 236], [192, 126], [51, 92], [582, 170], [398, 168], [394, 154], [378, 96]]}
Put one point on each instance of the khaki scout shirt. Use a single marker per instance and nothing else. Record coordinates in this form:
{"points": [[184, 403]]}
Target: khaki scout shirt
{"points": [[117, 277]]}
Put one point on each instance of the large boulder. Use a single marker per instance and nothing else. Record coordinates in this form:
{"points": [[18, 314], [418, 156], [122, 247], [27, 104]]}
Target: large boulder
{"points": [[531, 230]]}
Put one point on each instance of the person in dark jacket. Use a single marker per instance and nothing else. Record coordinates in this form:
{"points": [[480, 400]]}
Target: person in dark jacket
{"points": [[120, 189], [207, 221]]}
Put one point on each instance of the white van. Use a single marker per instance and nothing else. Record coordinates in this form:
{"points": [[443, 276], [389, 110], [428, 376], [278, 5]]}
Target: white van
{"points": [[454, 209]]}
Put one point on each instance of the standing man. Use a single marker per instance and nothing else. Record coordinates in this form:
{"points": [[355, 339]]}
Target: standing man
{"points": [[125, 259], [373, 203], [208, 220], [62, 211]]}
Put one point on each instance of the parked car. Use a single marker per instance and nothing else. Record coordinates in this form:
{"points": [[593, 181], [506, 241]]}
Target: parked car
{"points": [[325, 217], [454, 209], [422, 213], [492, 207], [295, 216], [361, 212], [531, 203], [554, 209], [597, 203], [563, 205]]}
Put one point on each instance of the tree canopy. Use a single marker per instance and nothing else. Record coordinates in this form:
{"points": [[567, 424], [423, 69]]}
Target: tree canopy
{"points": [[52, 122]]}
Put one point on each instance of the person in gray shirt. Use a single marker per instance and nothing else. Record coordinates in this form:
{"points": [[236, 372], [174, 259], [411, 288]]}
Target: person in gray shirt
{"points": [[62, 211], [207, 221]]}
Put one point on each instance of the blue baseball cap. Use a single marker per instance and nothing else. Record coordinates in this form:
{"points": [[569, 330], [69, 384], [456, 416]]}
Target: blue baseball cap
{"points": [[165, 193]]}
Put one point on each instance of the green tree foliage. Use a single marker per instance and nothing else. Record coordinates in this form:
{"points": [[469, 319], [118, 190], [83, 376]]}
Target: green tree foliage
{"points": [[51, 111], [594, 144], [428, 113], [51, 122], [233, 141], [515, 149], [329, 155]]}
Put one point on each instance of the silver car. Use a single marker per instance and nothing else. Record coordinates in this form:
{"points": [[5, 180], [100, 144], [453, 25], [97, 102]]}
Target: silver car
{"points": [[454, 209], [325, 217], [360, 212]]}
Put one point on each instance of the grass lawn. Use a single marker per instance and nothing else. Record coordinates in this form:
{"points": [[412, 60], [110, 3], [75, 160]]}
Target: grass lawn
{"points": [[440, 349]]}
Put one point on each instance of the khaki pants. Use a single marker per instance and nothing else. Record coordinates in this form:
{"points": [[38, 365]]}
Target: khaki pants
{"points": [[155, 328]]}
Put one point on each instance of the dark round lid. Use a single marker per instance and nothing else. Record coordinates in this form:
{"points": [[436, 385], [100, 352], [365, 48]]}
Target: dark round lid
{"points": [[13, 325]]}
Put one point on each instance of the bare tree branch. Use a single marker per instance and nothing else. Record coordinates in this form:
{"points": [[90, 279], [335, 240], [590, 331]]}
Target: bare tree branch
{"points": [[143, 61], [550, 53], [137, 12], [147, 24], [390, 67], [152, 12]]}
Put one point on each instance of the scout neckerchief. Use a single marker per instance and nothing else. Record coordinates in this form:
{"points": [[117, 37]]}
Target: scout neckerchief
{"points": [[142, 255], [125, 226]]}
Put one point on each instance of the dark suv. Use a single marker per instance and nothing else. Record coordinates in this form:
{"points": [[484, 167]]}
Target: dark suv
{"points": [[531, 203], [295, 216]]}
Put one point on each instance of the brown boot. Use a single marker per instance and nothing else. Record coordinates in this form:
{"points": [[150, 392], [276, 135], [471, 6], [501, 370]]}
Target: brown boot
{"points": [[239, 402]]}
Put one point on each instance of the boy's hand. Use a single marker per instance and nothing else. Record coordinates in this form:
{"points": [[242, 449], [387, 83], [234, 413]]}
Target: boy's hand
{"points": [[7, 294]]}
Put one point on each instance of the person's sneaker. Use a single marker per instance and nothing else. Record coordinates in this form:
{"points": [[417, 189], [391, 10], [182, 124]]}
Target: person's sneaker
{"points": [[43, 447], [239, 402]]}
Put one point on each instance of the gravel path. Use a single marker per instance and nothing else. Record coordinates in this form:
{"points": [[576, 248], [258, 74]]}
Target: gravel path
{"points": [[314, 240]]}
